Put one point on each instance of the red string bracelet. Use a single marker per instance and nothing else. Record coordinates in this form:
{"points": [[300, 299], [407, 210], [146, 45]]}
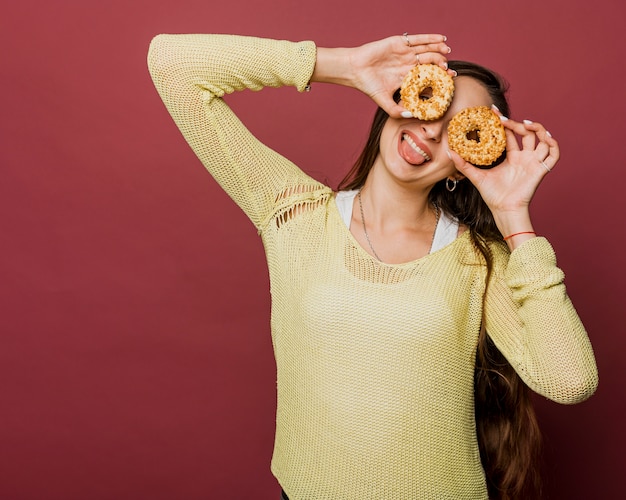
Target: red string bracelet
{"points": [[517, 234]]}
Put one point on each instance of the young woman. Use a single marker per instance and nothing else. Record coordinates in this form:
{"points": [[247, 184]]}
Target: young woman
{"points": [[407, 308]]}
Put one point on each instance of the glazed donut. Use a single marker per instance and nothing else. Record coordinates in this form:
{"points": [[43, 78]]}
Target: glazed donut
{"points": [[422, 78], [477, 135]]}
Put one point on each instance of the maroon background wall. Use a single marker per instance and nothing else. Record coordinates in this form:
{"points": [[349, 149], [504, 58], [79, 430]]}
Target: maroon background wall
{"points": [[135, 357]]}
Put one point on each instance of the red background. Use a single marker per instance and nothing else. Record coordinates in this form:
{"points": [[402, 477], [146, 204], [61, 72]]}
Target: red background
{"points": [[135, 356]]}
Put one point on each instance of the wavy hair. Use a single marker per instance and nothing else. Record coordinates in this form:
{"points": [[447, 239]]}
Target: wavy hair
{"points": [[508, 433]]}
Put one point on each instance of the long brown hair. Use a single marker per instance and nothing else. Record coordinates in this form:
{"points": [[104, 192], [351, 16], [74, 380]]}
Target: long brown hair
{"points": [[507, 429]]}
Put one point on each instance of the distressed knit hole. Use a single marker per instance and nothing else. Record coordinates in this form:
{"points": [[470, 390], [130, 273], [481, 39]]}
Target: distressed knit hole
{"points": [[295, 190], [296, 210], [298, 207]]}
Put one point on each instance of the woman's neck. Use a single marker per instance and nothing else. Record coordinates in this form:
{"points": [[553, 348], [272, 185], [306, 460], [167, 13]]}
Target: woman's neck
{"points": [[393, 224], [392, 205]]}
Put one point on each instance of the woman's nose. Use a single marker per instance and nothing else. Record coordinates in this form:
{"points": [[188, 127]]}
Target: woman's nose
{"points": [[433, 130]]}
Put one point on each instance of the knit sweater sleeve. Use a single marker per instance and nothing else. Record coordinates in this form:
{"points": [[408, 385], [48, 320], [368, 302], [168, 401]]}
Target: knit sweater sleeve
{"points": [[532, 321], [193, 72]]}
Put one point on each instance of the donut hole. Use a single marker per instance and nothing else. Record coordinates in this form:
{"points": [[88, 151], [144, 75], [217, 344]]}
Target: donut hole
{"points": [[473, 135], [426, 94]]}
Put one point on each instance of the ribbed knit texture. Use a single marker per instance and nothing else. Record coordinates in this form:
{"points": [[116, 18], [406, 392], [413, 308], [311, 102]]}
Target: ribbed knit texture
{"points": [[375, 362]]}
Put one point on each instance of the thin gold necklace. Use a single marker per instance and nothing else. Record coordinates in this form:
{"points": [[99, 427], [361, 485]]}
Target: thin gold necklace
{"points": [[368, 238]]}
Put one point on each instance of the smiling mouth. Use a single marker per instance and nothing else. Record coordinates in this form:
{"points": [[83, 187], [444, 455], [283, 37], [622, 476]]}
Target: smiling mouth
{"points": [[411, 143]]}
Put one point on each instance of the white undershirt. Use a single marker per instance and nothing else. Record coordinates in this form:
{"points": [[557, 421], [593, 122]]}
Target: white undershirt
{"points": [[445, 232]]}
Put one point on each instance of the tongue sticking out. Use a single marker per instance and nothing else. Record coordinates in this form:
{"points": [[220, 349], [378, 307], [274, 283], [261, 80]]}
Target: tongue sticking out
{"points": [[410, 154]]}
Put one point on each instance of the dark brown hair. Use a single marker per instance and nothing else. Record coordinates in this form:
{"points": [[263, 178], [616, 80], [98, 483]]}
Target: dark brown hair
{"points": [[507, 429]]}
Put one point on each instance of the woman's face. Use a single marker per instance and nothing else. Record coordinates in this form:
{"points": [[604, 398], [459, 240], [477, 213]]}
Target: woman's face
{"points": [[412, 150]]}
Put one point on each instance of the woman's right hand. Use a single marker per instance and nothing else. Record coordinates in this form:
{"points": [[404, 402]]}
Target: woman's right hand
{"points": [[378, 68]]}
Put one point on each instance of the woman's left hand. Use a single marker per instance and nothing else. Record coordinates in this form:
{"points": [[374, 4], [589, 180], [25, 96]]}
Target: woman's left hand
{"points": [[509, 188]]}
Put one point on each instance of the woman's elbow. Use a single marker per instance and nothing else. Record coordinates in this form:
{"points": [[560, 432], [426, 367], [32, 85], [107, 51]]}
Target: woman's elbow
{"points": [[576, 388], [156, 53]]}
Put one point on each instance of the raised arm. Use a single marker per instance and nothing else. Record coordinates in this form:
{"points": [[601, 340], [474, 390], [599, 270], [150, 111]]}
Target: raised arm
{"points": [[193, 72]]}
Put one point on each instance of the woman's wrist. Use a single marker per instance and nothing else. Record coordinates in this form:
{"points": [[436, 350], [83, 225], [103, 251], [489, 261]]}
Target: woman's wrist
{"points": [[333, 66], [515, 227]]}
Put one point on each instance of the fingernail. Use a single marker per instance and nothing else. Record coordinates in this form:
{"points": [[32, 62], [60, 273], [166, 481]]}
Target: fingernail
{"points": [[448, 153], [445, 38], [527, 122], [449, 50], [445, 65], [548, 133], [407, 114], [455, 73], [495, 108], [503, 118]]}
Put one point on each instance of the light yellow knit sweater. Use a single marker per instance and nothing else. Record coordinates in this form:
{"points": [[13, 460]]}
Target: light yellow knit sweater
{"points": [[375, 362]]}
